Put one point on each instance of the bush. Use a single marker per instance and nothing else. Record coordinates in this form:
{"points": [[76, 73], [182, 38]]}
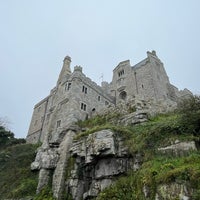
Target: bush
{"points": [[190, 112]]}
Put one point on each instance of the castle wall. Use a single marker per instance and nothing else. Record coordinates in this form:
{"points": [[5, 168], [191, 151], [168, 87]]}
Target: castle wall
{"points": [[77, 97], [37, 121], [74, 98], [144, 80], [123, 86]]}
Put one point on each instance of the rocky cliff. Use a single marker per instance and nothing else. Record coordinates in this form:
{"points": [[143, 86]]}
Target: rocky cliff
{"points": [[123, 156]]}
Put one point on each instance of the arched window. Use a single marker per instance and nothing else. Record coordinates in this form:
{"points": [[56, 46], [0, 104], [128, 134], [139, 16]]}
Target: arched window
{"points": [[123, 95]]}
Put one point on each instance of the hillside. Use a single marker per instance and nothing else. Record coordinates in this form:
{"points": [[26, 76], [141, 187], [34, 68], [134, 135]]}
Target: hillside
{"points": [[16, 180], [155, 159]]}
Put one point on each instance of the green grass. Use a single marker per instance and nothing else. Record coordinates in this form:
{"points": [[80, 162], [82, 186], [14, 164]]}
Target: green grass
{"points": [[159, 131], [17, 180], [159, 170]]}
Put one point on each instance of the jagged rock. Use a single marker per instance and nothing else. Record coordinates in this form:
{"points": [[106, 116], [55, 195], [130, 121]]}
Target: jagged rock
{"points": [[99, 158], [44, 176], [96, 187], [100, 143], [46, 158], [179, 148], [134, 118], [173, 191], [60, 170]]}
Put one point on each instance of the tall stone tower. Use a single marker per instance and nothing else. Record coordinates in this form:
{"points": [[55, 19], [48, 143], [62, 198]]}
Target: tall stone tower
{"points": [[66, 71]]}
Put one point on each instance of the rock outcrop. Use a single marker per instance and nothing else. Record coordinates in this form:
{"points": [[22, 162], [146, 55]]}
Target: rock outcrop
{"points": [[90, 164], [99, 159], [179, 148]]}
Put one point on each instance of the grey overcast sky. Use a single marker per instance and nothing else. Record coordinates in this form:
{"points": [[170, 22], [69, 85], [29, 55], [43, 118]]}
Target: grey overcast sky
{"points": [[35, 36]]}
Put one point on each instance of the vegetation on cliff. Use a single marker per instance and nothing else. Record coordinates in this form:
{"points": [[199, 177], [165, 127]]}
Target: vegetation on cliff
{"points": [[16, 180], [158, 168]]}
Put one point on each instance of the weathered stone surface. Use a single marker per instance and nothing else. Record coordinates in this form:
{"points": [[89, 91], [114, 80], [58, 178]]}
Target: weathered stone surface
{"points": [[96, 187], [60, 171], [179, 148], [100, 143], [134, 118], [45, 159], [44, 176], [173, 191], [99, 158]]}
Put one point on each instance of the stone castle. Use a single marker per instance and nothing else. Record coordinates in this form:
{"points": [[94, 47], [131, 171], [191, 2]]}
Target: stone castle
{"points": [[76, 97], [102, 155]]}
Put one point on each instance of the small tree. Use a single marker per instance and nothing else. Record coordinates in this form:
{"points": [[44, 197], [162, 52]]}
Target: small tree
{"points": [[6, 137], [190, 114]]}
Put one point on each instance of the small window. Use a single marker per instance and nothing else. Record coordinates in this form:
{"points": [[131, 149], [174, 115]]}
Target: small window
{"points": [[58, 123], [84, 89], [83, 106], [120, 73], [142, 86], [99, 98], [123, 95], [68, 86]]}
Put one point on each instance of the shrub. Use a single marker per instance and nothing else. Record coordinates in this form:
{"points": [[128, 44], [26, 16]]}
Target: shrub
{"points": [[190, 112]]}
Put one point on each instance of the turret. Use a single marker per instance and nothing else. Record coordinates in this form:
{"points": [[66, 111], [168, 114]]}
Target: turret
{"points": [[66, 71]]}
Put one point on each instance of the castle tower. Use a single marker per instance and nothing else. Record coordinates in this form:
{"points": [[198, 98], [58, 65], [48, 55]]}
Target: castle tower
{"points": [[66, 71]]}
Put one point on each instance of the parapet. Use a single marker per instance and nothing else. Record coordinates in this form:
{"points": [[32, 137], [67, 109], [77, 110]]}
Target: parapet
{"points": [[78, 68], [153, 53]]}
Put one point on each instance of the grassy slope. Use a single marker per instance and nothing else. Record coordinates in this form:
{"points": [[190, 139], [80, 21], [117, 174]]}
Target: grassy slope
{"points": [[157, 168], [17, 180]]}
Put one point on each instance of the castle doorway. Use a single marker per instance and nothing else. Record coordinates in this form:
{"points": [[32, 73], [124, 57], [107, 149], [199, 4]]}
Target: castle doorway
{"points": [[123, 95]]}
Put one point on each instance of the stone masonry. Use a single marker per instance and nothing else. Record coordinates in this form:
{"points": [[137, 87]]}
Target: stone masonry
{"points": [[77, 97]]}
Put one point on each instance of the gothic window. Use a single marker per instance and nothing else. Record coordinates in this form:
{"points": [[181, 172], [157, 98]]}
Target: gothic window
{"points": [[99, 98], [68, 86], [84, 89], [123, 95], [120, 73], [83, 106], [58, 123]]}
